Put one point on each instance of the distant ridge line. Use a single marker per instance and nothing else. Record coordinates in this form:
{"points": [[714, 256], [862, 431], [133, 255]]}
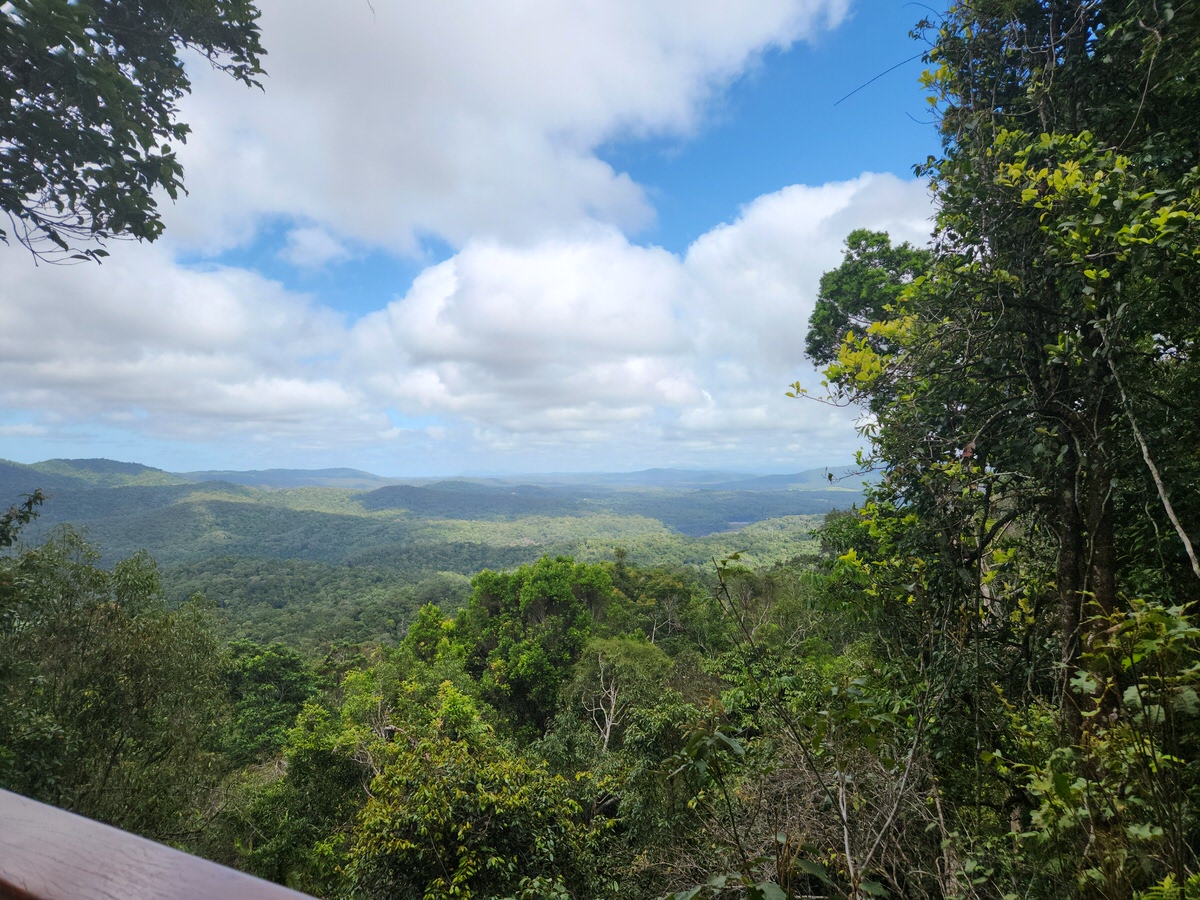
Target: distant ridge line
{"points": [[103, 473]]}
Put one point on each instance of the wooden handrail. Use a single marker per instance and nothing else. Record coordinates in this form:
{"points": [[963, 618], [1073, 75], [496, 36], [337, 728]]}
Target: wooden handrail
{"points": [[49, 854]]}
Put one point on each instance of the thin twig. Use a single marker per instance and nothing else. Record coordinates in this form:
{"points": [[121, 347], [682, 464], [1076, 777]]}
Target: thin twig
{"points": [[1158, 482]]}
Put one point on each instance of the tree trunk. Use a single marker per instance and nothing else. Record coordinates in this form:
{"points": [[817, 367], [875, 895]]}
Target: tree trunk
{"points": [[1070, 588]]}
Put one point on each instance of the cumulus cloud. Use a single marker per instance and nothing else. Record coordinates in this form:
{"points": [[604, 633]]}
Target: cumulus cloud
{"points": [[596, 335], [388, 122], [586, 344], [186, 349], [767, 263]]}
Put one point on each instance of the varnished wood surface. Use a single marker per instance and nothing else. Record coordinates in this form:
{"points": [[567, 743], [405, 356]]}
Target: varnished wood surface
{"points": [[48, 854]]}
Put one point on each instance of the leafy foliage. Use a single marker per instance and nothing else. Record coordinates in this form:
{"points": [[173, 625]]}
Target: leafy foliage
{"points": [[107, 697], [861, 291], [1036, 498], [458, 819], [19, 516], [89, 93], [267, 687], [523, 631]]}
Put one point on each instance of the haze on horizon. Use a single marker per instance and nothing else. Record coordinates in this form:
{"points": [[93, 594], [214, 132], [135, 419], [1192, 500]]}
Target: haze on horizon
{"points": [[444, 241]]}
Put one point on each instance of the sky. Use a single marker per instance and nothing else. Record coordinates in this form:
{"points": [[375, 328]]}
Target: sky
{"points": [[465, 238]]}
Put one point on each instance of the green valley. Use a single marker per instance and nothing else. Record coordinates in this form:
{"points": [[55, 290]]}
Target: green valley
{"points": [[340, 556]]}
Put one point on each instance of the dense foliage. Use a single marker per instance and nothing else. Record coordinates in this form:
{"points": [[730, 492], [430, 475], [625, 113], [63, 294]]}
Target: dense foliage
{"points": [[861, 291], [107, 697], [312, 566], [89, 95], [983, 683], [1032, 405]]}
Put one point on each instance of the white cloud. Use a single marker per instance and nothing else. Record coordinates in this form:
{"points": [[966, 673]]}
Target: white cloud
{"points": [[585, 347], [312, 248], [766, 265], [550, 334], [559, 302], [188, 350], [596, 335], [385, 122], [23, 429]]}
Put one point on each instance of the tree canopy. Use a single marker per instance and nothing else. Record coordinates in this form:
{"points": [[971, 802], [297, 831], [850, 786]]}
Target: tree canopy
{"points": [[89, 95], [107, 696], [860, 291], [1033, 407]]}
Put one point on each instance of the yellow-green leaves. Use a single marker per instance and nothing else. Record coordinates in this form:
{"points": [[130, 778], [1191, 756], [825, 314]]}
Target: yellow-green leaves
{"points": [[1098, 209], [860, 362]]}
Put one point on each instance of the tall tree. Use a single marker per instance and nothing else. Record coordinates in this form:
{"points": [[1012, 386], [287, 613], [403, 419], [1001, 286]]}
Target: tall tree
{"points": [[860, 291], [1032, 404], [466, 818], [524, 630], [1039, 376], [89, 95], [108, 699]]}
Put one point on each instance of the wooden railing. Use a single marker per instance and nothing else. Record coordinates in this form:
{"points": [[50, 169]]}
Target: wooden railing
{"points": [[48, 854]]}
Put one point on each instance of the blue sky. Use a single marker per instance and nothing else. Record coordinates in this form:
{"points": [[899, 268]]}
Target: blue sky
{"points": [[514, 238], [782, 123]]}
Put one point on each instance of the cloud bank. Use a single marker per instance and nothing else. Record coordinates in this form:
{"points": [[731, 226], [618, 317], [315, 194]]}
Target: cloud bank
{"points": [[579, 348], [548, 338], [387, 122]]}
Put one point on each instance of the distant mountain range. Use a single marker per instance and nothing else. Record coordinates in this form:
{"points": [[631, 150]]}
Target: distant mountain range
{"points": [[351, 479], [324, 555], [336, 515], [79, 474], [83, 474]]}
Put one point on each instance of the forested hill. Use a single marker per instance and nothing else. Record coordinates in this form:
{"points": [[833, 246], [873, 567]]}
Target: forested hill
{"points": [[84, 473], [80, 474], [314, 557], [690, 511], [278, 512]]}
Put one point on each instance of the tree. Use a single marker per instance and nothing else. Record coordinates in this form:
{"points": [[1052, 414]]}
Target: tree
{"points": [[1065, 249], [1032, 396], [89, 96], [468, 819], [267, 687], [108, 699], [18, 516], [612, 676], [1015, 383], [860, 291], [524, 630]]}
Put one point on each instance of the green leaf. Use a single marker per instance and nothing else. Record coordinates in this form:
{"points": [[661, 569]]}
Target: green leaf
{"points": [[767, 890], [816, 870], [1063, 782], [735, 747], [1186, 701]]}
